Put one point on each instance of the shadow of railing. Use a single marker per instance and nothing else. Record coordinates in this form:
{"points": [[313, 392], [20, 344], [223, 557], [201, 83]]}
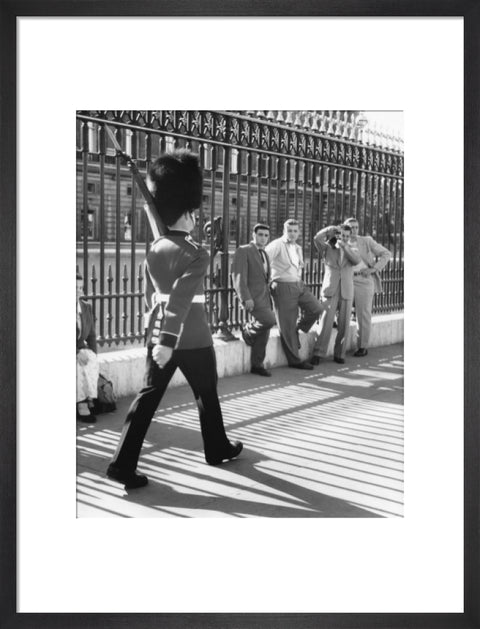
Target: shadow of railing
{"points": [[329, 444]]}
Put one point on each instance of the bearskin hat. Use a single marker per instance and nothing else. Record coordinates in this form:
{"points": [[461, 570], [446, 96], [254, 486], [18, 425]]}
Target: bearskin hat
{"points": [[175, 180]]}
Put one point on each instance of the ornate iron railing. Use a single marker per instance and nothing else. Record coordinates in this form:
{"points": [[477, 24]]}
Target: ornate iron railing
{"points": [[319, 167]]}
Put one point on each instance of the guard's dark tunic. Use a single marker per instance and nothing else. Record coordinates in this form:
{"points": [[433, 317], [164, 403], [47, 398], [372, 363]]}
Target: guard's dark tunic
{"points": [[176, 265]]}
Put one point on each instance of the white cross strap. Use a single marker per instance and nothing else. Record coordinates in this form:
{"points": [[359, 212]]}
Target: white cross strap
{"points": [[164, 297]]}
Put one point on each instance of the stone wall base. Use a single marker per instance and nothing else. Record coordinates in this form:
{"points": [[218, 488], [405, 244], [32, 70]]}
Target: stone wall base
{"points": [[125, 368]]}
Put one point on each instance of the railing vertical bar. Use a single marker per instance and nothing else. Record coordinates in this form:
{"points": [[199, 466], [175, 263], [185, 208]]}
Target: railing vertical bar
{"points": [[249, 190], [335, 196], [101, 228], [322, 212], [358, 186], [393, 210], [287, 187], [269, 190], [305, 235], [278, 215], [328, 220], [118, 209], [259, 187], [367, 206], [295, 190], [374, 207], [84, 223], [238, 214], [350, 193], [314, 228], [133, 243]]}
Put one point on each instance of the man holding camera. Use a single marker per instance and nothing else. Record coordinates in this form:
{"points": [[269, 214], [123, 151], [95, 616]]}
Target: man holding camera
{"points": [[337, 290]]}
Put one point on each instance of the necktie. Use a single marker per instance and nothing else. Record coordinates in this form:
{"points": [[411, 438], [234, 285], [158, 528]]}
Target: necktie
{"points": [[264, 260]]}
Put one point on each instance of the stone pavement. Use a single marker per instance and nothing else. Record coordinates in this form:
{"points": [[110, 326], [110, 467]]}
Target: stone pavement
{"points": [[322, 443]]}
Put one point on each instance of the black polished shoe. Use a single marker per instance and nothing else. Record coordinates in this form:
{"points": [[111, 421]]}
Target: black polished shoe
{"points": [[315, 360], [361, 351], [246, 338], [236, 448], [260, 371], [87, 419], [131, 480], [340, 361], [303, 365]]}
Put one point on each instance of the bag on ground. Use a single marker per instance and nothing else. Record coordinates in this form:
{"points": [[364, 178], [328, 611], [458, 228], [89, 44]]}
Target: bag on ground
{"points": [[106, 400]]}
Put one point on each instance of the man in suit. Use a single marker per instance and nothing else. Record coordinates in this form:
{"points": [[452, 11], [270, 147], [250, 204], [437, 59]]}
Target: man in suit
{"points": [[290, 293], [178, 334], [366, 281], [337, 290], [251, 275]]}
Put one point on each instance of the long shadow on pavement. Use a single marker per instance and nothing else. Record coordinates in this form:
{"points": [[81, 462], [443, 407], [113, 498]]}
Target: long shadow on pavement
{"points": [[327, 443]]}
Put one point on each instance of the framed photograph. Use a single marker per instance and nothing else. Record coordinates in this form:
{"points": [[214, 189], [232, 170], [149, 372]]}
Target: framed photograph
{"points": [[418, 571]]}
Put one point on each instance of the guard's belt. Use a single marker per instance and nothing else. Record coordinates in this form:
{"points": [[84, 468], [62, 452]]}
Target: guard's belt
{"points": [[162, 298]]}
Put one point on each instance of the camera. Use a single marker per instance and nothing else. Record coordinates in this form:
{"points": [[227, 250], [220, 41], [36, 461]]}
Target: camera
{"points": [[333, 240]]}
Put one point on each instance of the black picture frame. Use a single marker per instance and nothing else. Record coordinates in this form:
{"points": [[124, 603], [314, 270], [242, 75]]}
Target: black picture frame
{"points": [[9, 11]]}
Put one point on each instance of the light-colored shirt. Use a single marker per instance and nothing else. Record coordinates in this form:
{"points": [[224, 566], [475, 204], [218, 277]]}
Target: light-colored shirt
{"points": [[361, 265], [286, 260]]}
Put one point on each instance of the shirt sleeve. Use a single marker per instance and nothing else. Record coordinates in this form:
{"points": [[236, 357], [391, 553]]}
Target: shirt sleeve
{"points": [[319, 240], [382, 254]]}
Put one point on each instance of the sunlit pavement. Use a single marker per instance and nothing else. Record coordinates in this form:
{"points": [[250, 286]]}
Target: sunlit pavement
{"points": [[322, 443]]}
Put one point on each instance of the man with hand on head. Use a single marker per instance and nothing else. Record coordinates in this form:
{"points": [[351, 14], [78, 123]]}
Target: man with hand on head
{"points": [[251, 275], [290, 293], [366, 281], [337, 290], [178, 334]]}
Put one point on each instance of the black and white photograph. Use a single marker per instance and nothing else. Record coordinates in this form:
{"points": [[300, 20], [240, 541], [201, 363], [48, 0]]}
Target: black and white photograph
{"points": [[270, 212], [240, 313]]}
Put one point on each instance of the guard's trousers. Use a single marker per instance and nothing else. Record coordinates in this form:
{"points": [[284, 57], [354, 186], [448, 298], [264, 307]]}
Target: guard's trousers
{"points": [[199, 368]]}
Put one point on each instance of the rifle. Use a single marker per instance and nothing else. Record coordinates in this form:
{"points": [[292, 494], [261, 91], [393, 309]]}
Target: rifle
{"points": [[156, 224]]}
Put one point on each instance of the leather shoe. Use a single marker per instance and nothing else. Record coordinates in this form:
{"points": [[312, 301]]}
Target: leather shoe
{"points": [[302, 365], [131, 480], [246, 338], [340, 361], [315, 360], [87, 419], [361, 351], [260, 371], [236, 448]]}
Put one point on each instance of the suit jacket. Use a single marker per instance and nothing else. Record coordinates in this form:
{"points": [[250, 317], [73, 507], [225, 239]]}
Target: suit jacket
{"points": [[338, 272], [177, 265], [374, 256], [248, 274], [86, 335], [281, 262]]}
